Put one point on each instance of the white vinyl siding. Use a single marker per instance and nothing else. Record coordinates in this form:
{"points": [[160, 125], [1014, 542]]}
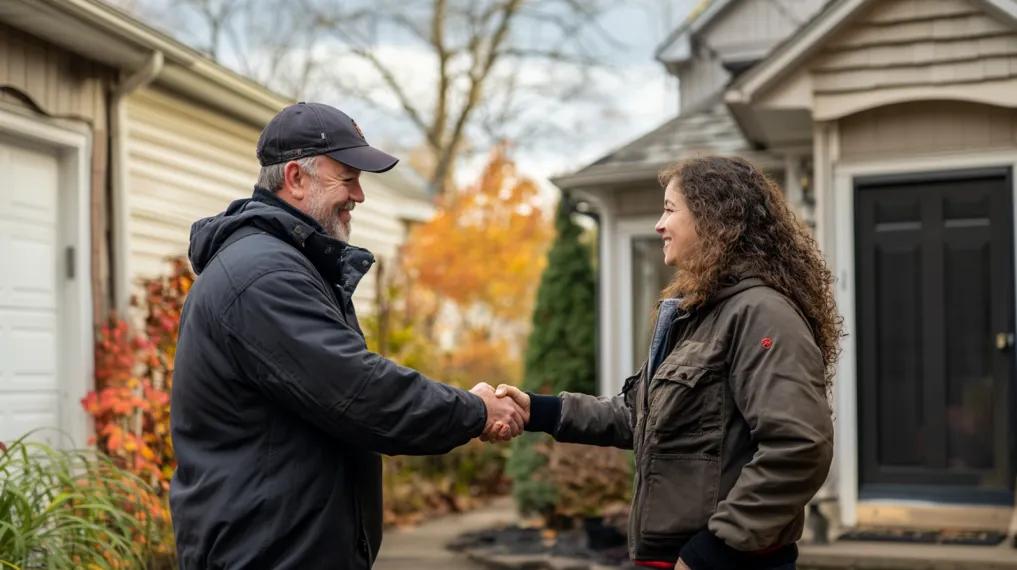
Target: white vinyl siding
{"points": [[184, 163]]}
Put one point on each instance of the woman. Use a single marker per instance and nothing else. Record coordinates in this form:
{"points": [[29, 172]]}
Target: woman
{"points": [[729, 416]]}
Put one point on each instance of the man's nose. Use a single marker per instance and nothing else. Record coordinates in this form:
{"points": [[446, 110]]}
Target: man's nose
{"points": [[357, 194]]}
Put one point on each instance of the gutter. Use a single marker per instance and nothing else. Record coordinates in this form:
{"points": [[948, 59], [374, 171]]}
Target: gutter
{"points": [[107, 35], [120, 197]]}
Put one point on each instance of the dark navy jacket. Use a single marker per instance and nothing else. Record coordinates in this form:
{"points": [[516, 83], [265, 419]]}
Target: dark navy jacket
{"points": [[279, 411]]}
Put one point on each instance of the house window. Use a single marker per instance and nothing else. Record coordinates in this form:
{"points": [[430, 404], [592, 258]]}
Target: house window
{"points": [[649, 277]]}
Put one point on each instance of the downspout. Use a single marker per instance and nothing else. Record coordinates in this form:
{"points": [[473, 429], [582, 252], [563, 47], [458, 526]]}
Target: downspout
{"points": [[118, 177], [120, 192]]}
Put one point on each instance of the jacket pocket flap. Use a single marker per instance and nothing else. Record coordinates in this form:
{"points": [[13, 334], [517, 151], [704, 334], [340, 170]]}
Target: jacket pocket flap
{"points": [[686, 374]]}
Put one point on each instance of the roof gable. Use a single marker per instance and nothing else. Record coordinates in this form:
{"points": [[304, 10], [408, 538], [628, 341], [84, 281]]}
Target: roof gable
{"points": [[736, 31], [912, 18]]}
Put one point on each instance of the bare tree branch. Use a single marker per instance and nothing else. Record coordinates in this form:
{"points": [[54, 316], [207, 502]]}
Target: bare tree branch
{"points": [[495, 62]]}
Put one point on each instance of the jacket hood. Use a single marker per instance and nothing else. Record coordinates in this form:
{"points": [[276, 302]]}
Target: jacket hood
{"points": [[208, 235], [337, 260]]}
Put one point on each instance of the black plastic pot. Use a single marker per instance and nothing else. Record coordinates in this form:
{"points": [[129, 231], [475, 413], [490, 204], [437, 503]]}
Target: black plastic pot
{"points": [[600, 536]]}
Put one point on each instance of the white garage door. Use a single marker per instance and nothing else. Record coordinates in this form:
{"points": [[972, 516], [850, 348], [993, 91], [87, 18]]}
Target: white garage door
{"points": [[29, 295]]}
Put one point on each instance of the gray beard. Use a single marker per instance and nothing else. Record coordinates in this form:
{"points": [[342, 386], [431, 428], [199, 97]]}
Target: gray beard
{"points": [[326, 216]]}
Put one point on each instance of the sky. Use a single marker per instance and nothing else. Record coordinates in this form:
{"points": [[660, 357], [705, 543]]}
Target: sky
{"points": [[638, 93]]}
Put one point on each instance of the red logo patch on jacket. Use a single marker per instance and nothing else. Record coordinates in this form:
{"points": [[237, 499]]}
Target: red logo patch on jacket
{"points": [[766, 343]]}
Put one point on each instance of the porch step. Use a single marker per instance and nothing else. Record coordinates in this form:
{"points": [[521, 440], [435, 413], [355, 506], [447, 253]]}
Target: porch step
{"points": [[862, 555]]}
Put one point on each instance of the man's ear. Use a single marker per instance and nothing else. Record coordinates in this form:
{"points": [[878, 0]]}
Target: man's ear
{"points": [[294, 180]]}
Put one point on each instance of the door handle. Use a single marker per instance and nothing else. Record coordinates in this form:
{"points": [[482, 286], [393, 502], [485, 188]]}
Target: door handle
{"points": [[1004, 340]]}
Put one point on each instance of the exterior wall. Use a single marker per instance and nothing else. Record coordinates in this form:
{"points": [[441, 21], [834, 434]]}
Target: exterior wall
{"points": [[59, 82], [748, 29], [927, 127], [66, 86], [701, 79], [743, 32], [638, 201], [183, 163], [904, 86], [186, 162], [913, 137], [902, 44]]}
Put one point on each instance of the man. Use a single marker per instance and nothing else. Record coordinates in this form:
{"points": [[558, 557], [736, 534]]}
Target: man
{"points": [[279, 410]]}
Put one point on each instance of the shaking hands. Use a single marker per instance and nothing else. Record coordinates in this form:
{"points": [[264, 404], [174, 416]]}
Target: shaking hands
{"points": [[508, 411]]}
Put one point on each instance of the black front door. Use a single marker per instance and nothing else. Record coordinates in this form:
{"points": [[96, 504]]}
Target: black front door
{"points": [[935, 301]]}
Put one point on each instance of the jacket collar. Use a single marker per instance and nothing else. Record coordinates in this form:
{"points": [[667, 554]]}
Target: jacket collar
{"points": [[734, 285], [339, 262]]}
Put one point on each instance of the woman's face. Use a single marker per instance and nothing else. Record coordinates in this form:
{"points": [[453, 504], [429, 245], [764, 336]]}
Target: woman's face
{"points": [[676, 227]]}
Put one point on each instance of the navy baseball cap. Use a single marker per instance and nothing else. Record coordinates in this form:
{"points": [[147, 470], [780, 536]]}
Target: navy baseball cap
{"points": [[310, 129]]}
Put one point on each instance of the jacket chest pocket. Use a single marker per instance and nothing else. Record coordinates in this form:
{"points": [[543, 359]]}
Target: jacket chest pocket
{"points": [[686, 402]]}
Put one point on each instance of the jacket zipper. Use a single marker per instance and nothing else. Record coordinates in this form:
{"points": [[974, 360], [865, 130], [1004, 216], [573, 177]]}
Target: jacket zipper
{"points": [[643, 457]]}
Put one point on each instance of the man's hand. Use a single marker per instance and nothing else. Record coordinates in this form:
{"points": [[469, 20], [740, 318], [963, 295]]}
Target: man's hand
{"points": [[680, 565], [505, 418], [522, 399]]}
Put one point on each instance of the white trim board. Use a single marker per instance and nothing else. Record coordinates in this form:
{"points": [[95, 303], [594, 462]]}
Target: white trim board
{"points": [[840, 211], [627, 230], [606, 283], [73, 146]]}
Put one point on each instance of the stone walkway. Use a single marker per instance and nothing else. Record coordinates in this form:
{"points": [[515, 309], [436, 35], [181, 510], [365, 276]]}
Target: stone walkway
{"points": [[423, 547]]}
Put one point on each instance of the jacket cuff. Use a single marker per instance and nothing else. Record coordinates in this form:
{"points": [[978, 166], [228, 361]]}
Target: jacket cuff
{"points": [[544, 413], [704, 551], [477, 429]]}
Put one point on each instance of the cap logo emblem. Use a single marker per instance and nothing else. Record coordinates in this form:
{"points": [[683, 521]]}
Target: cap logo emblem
{"points": [[356, 127]]}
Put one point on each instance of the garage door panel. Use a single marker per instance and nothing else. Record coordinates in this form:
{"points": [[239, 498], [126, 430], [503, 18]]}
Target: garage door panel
{"points": [[29, 268], [21, 413], [33, 281], [28, 344], [33, 175], [30, 311]]}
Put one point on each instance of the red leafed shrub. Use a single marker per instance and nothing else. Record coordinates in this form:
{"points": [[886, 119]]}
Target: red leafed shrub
{"points": [[133, 378]]}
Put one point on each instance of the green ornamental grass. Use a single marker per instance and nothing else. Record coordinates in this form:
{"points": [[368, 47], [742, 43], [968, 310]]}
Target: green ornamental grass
{"points": [[71, 509]]}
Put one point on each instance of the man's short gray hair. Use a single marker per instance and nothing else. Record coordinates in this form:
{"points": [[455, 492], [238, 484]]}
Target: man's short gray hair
{"points": [[271, 176]]}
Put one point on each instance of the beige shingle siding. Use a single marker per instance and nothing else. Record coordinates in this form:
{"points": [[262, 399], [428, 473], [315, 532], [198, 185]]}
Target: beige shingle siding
{"points": [[926, 127], [910, 10], [902, 43]]}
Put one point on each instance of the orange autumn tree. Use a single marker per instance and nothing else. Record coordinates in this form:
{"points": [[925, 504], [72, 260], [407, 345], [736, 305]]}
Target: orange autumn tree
{"points": [[477, 263]]}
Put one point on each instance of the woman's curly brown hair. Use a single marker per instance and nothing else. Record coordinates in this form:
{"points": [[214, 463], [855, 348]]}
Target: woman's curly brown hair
{"points": [[746, 228]]}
